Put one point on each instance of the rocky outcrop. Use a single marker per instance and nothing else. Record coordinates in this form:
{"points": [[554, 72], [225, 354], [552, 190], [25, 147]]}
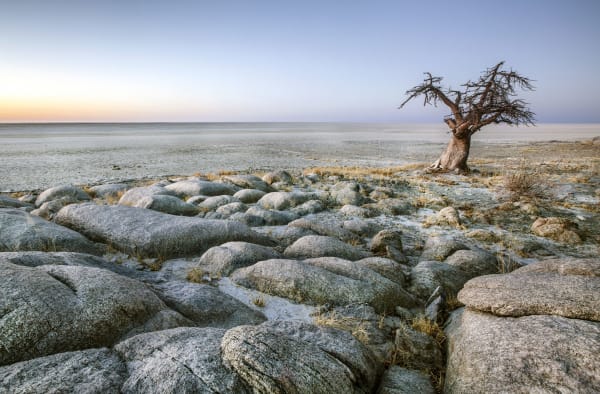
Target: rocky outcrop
{"points": [[180, 360], [284, 357], [224, 259], [201, 188], [206, 306], [86, 371], [284, 200], [312, 246], [398, 380], [426, 276], [20, 231], [249, 196], [167, 204], [558, 229], [549, 289], [538, 353], [248, 182], [56, 308], [57, 192], [133, 196], [324, 280], [148, 233]]}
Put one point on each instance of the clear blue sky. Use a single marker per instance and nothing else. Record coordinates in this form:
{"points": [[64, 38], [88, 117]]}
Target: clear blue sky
{"points": [[286, 60]]}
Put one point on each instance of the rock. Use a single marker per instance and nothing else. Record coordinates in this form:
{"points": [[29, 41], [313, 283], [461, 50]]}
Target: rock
{"points": [[474, 262], [417, 349], [57, 308], [326, 226], [355, 211], [109, 190], [398, 380], [380, 193], [321, 246], [284, 200], [224, 259], [86, 371], [439, 247], [426, 276], [483, 235], [309, 207], [167, 204], [20, 231], [248, 182], [362, 228], [35, 259], [132, 196], [229, 209], [249, 196], [391, 207], [57, 192], [347, 193], [268, 217], [285, 235], [212, 203], [558, 229], [48, 209], [205, 305], [196, 199], [9, 202], [388, 268], [153, 234], [277, 176], [180, 360], [199, 187], [445, 217], [284, 357], [388, 243], [322, 281], [565, 266], [539, 353], [535, 292]]}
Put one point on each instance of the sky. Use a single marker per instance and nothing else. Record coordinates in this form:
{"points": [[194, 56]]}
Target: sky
{"points": [[220, 61]]}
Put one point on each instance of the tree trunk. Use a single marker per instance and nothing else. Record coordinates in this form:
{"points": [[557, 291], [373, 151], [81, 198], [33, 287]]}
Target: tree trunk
{"points": [[455, 156]]}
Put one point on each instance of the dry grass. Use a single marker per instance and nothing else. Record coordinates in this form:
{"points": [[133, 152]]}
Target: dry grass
{"points": [[525, 182], [353, 325], [196, 275], [214, 176], [429, 327], [506, 264], [113, 199], [259, 301], [453, 303], [89, 191], [356, 171]]}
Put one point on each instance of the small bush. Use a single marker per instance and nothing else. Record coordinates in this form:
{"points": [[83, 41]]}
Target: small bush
{"points": [[259, 301], [525, 183]]}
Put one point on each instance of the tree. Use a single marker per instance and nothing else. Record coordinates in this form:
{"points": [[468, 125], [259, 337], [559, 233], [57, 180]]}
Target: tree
{"points": [[489, 100]]}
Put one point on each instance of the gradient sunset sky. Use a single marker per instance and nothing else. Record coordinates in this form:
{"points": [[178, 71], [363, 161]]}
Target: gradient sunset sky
{"points": [[285, 60]]}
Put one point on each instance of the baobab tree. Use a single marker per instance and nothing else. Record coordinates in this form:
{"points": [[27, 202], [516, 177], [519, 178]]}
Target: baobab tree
{"points": [[489, 100]]}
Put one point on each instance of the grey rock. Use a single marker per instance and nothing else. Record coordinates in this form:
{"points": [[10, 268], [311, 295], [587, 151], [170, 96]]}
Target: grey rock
{"points": [[229, 209], [285, 357], [356, 211], [529, 354], [134, 195], [417, 349], [48, 209], [180, 360], [426, 276], [212, 203], [167, 204], [565, 266], [388, 268], [322, 246], [284, 200], [248, 182], [391, 207], [285, 235], [447, 216], [196, 199], [362, 228], [439, 247], [326, 226], [224, 259], [269, 217], [9, 202], [558, 229], [206, 306], [398, 380], [109, 190], [277, 176], [389, 243], [199, 187], [347, 193], [474, 262], [56, 308], [88, 371], [531, 292], [309, 207], [153, 234], [57, 192], [20, 231], [249, 196], [324, 281]]}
